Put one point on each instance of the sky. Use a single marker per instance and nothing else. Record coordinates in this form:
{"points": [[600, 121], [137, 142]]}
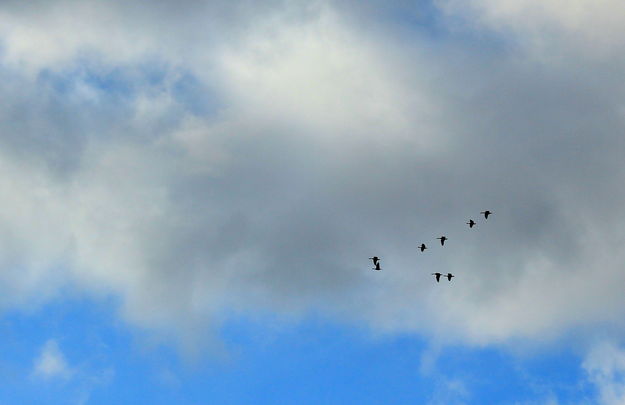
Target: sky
{"points": [[191, 191]]}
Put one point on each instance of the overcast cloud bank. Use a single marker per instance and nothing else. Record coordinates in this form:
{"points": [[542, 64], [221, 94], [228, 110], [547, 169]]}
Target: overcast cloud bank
{"points": [[312, 144]]}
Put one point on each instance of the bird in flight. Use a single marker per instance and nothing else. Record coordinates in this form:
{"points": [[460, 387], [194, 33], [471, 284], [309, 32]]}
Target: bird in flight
{"points": [[471, 223], [449, 276], [486, 213], [443, 239], [438, 276], [375, 260], [377, 266], [422, 247]]}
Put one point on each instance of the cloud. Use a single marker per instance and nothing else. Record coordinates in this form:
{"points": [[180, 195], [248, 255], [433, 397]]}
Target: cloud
{"points": [[168, 207], [80, 379], [577, 26], [449, 391], [605, 366], [51, 362], [546, 401], [314, 144]]}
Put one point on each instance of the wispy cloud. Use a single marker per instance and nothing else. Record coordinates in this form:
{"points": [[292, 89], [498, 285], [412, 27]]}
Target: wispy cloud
{"points": [[605, 365], [51, 363], [576, 25], [450, 391]]}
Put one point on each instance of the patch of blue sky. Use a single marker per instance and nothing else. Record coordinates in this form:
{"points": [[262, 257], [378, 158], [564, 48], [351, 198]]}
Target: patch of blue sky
{"points": [[105, 361], [197, 97], [267, 362], [320, 362], [123, 84], [113, 82], [501, 377], [424, 17], [23, 335], [427, 21]]}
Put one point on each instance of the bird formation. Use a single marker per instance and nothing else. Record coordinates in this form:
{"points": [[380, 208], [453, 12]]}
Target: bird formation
{"points": [[422, 247], [438, 276]]}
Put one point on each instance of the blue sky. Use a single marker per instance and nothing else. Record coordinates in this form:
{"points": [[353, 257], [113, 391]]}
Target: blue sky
{"points": [[268, 361], [191, 192]]}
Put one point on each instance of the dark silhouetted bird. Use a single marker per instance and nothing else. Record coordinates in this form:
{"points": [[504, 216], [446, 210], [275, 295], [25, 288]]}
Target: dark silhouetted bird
{"points": [[422, 247], [449, 276], [486, 213], [443, 239], [471, 223], [375, 260], [438, 276], [377, 266]]}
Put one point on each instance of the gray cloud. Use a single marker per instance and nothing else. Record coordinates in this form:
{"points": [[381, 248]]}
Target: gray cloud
{"points": [[315, 145]]}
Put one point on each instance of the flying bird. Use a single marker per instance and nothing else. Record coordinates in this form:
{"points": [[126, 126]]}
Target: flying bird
{"points": [[449, 276], [443, 239], [438, 276], [486, 213], [471, 223], [377, 266], [422, 247], [375, 260]]}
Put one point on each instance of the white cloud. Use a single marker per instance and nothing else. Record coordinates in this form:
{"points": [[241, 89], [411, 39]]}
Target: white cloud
{"points": [[605, 365], [51, 362], [546, 401], [594, 27], [449, 391]]}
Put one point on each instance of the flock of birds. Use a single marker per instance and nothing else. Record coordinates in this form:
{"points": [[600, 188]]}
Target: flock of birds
{"points": [[422, 247]]}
